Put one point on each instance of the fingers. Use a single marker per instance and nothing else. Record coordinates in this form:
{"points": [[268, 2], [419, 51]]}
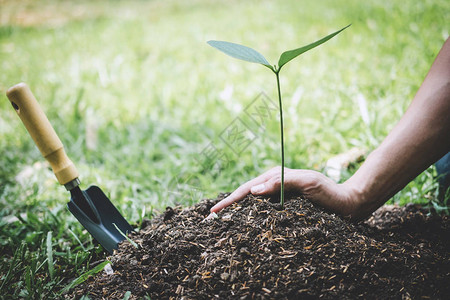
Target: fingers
{"points": [[244, 189], [294, 180], [273, 184], [269, 187]]}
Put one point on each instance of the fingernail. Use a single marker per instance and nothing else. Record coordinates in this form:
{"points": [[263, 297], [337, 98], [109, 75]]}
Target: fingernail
{"points": [[258, 188]]}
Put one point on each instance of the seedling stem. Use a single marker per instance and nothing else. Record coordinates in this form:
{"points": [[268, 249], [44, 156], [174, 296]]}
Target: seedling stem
{"points": [[277, 72]]}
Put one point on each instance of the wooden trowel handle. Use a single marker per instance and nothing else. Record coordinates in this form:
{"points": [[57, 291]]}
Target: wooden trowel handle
{"points": [[42, 132]]}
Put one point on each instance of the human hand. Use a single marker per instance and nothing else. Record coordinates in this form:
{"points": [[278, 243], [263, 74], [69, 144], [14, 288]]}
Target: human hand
{"points": [[315, 186]]}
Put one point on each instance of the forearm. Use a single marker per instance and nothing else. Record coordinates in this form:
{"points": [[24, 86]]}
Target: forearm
{"points": [[420, 138]]}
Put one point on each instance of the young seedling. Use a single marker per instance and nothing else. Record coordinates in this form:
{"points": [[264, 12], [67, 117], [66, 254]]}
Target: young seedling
{"points": [[251, 55]]}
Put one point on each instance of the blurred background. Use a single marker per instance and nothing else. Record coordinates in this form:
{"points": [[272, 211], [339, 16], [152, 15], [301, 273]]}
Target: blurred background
{"points": [[146, 109]]}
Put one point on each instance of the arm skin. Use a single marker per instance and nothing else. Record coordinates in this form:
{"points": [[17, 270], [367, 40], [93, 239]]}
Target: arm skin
{"points": [[421, 137]]}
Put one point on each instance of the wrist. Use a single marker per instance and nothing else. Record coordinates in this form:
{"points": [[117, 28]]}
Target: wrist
{"points": [[370, 186], [354, 197], [364, 196]]}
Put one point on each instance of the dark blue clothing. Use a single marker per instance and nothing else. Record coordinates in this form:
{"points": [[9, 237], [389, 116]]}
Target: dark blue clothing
{"points": [[443, 172]]}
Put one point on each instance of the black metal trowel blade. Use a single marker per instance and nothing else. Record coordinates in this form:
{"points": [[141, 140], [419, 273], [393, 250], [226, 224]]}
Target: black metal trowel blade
{"points": [[98, 215]]}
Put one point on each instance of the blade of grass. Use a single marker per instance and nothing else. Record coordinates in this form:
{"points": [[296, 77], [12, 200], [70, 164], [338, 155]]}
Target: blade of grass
{"points": [[18, 254], [28, 280], [77, 239], [85, 276], [51, 269], [125, 236]]}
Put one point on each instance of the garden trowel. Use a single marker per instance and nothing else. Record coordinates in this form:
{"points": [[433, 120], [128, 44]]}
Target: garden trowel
{"points": [[91, 207]]}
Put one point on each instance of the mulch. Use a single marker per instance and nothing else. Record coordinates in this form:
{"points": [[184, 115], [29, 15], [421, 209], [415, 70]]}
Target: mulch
{"points": [[255, 250]]}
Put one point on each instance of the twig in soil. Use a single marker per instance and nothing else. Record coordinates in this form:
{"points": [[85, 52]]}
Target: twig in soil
{"points": [[212, 215]]}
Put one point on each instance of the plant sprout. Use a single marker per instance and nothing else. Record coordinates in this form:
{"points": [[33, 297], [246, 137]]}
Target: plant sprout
{"points": [[251, 55]]}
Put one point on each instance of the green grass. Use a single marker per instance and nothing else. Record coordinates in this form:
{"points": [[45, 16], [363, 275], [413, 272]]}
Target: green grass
{"points": [[136, 95]]}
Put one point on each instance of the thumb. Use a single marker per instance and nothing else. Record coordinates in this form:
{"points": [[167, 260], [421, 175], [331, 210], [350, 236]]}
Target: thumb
{"points": [[269, 187], [258, 189]]}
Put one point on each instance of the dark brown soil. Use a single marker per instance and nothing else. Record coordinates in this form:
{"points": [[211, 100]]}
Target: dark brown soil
{"points": [[254, 250]]}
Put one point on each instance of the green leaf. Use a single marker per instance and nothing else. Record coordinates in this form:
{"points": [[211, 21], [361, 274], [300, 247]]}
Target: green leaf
{"points": [[85, 276], [291, 54], [240, 52], [127, 295]]}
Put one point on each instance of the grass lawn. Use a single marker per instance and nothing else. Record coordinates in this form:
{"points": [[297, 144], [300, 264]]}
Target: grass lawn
{"points": [[144, 107]]}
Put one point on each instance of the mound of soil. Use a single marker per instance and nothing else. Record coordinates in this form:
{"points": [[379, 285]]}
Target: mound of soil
{"points": [[254, 250]]}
